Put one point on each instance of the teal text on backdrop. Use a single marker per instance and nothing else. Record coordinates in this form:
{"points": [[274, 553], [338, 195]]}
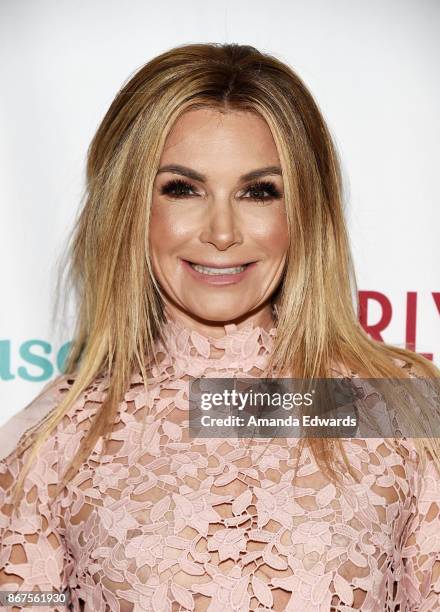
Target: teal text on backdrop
{"points": [[37, 354]]}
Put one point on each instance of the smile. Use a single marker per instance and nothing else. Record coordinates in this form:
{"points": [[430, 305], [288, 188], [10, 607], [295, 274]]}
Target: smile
{"points": [[216, 271], [219, 275]]}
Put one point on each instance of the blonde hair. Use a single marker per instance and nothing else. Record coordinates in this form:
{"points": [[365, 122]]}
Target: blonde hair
{"points": [[120, 305]]}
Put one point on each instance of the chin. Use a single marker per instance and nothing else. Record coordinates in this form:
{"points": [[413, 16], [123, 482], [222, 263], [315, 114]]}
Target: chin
{"points": [[218, 313]]}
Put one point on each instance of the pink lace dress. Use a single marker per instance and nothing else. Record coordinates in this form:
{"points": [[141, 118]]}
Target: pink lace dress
{"points": [[169, 523]]}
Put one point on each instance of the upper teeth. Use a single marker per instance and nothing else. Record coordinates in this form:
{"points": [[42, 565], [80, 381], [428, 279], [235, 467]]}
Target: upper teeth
{"points": [[206, 270]]}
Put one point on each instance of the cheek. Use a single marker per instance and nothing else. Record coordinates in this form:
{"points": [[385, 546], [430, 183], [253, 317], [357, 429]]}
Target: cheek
{"points": [[161, 245], [272, 234], [166, 230], [159, 241]]}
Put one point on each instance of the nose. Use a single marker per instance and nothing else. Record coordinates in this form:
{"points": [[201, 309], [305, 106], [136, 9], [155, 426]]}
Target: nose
{"points": [[221, 226]]}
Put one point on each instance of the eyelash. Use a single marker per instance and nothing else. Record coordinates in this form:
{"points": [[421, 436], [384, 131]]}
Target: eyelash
{"points": [[179, 184]]}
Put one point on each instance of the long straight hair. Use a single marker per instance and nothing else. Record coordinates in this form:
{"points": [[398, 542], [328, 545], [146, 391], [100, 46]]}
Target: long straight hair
{"points": [[120, 305]]}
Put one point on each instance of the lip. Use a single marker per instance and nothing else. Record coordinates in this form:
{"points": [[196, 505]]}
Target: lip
{"points": [[216, 265], [219, 279]]}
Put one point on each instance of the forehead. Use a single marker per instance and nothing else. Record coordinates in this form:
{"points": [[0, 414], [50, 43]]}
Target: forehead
{"points": [[208, 135]]}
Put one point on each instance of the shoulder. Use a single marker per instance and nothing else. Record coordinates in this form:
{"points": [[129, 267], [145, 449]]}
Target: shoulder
{"points": [[341, 369], [58, 448], [412, 399], [32, 414]]}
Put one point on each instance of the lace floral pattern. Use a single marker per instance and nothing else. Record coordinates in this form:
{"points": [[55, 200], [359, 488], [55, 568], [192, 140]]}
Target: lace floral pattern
{"points": [[167, 523]]}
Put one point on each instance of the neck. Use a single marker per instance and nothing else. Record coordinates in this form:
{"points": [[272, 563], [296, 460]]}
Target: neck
{"points": [[216, 329], [240, 345]]}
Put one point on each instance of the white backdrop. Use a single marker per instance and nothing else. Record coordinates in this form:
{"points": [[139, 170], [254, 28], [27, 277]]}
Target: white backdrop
{"points": [[373, 68]]}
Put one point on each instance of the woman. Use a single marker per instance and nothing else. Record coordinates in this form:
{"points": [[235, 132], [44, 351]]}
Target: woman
{"points": [[212, 244]]}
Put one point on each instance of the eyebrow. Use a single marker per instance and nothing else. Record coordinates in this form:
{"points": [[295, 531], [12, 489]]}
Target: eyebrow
{"points": [[197, 176]]}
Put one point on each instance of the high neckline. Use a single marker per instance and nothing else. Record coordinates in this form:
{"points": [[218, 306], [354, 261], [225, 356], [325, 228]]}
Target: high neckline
{"points": [[242, 347]]}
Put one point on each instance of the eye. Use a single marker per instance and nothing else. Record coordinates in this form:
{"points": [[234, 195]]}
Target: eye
{"points": [[263, 191], [177, 188]]}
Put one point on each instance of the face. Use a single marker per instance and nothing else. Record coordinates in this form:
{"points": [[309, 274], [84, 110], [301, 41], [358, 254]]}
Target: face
{"points": [[218, 231]]}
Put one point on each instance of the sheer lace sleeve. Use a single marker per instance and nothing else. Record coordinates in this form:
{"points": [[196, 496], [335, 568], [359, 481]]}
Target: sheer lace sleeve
{"points": [[33, 556], [27, 418], [421, 546]]}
